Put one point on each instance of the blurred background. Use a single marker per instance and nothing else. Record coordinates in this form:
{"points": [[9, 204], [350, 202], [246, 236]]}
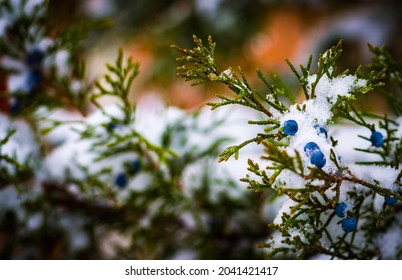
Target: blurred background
{"points": [[249, 33]]}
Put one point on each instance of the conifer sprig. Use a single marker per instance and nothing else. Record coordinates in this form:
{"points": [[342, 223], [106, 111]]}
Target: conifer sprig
{"points": [[118, 83], [11, 170], [383, 62], [119, 135], [199, 65], [313, 192]]}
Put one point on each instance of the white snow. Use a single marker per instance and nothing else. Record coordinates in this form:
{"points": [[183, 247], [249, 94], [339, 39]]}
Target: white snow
{"points": [[61, 61], [7, 18], [207, 6], [60, 134], [11, 63], [286, 208], [99, 8], [385, 175], [327, 91], [31, 6], [348, 139], [43, 44], [289, 179], [185, 255], [390, 242], [22, 145], [3, 25], [35, 221], [18, 82], [76, 86], [9, 199]]}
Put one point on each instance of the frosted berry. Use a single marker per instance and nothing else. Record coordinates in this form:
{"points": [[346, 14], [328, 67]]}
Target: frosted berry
{"points": [[310, 148], [290, 127], [34, 58], [321, 130], [121, 180], [377, 139], [340, 209], [318, 159], [390, 200], [349, 224]]}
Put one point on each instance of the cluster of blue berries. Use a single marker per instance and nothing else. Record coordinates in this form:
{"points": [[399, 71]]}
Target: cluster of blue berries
{"points": [[317, 157], [290, 127], [121, 179], [349, 224]]}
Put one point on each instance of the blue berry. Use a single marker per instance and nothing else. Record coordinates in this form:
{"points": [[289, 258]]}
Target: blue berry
{"points": [[136, 166], [377, 139], [321, 130], [121, 180], [310, 148], [34, 58], [349, 224], [318, 159], [390, 200], [34, 80], [340, 209], [290, 127]]}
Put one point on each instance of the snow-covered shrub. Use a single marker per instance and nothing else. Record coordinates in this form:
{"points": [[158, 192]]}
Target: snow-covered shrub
{"points": [[335, 206], [80, 179]]}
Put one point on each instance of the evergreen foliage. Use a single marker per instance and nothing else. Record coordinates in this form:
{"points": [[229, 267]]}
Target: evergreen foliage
{"points": [[76, 173], [306, 168]]}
